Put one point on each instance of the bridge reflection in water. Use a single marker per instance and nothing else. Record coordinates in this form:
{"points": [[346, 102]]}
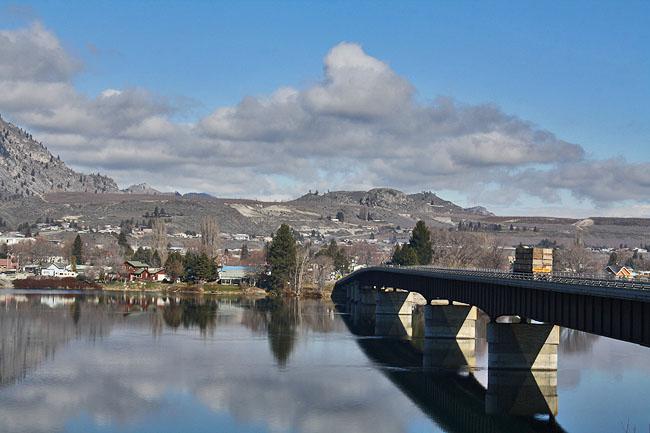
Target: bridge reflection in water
{"points": [[430, 353]]}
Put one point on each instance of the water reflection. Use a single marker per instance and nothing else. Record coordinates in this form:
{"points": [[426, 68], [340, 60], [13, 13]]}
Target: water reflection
{"points": [[149, 363], [438, 375]]}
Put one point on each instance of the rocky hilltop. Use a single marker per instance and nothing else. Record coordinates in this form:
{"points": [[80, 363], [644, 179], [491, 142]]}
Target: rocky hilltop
{"points": [[383, 204], [141, 188], [28, 169]]}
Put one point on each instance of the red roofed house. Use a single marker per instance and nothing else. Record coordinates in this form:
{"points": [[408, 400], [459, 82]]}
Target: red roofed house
{"points": [[7, 265], [137, 270]]}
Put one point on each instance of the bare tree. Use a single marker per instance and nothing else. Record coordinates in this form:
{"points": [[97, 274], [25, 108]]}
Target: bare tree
{"points": [[467, 250], [209, 235], [304, 254], [576, 259], [159, 240], [492, 255], [323, 266]]}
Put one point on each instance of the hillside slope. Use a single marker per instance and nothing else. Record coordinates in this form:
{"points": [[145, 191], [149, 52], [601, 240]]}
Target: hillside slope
{"points": [[27, 168]]}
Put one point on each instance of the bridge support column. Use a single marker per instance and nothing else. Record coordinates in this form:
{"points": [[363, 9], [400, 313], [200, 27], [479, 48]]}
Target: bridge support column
{"points": [[522, 369], [522, 346], [394, 302], [450, 336], [394, 312], [450, 321]]}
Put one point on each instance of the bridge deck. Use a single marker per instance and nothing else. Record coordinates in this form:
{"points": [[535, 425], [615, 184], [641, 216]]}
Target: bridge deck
{"points": [[574, 284]]}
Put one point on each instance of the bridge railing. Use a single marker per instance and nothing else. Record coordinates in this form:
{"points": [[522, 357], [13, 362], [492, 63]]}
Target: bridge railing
{"points": [[555, 277]]}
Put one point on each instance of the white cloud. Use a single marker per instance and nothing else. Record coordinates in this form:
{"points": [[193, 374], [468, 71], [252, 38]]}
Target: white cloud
{"points": [[361, 126]]}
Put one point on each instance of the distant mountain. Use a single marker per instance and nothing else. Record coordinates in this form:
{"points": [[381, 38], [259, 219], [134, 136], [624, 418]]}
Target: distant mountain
{"points": [[28, 169], [478, 210], [35, 184], [141, 188], [198, 195]]}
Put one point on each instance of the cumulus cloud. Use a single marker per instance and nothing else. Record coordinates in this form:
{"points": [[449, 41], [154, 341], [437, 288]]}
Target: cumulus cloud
{"points": [[362, 125]]}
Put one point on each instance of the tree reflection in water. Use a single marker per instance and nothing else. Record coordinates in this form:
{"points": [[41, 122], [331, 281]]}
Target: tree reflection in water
{"points": [[191, 312], [576, 342]]}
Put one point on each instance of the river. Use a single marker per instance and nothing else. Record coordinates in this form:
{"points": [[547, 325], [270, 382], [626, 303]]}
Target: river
{"points": [[131, 363]]}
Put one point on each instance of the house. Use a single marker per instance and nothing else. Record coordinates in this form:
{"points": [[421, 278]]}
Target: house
{"points": [[620, 271], [235, 274], [57, 270], [14, 239], [137, 270], [7, 265], [157, 274]]}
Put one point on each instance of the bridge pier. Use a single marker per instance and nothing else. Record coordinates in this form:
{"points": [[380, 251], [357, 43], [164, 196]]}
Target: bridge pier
{"points": [[522, 368], [450, 336], [522, 346], [394, 312], [395, 302], [442, 320]]}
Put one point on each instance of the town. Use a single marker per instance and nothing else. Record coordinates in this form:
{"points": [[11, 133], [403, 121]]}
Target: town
{"points": [[139, 255]]}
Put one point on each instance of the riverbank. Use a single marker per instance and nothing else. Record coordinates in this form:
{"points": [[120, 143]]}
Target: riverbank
{"points": [[43, 283], [158, 287]]}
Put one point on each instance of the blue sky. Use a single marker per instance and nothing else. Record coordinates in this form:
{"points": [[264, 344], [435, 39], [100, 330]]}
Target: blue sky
{"points": [[580, 70]]}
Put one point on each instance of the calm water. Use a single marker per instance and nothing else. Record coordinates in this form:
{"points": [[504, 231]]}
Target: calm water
{"points": [[152, 364]]}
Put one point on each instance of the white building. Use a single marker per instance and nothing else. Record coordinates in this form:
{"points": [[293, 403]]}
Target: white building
{"points": [[14, 238], [58, 271]]}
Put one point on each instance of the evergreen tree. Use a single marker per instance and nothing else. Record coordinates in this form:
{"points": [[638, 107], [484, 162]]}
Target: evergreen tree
{"points": [[613, 259], [420, 243], [144, 256], [121, 239], [205, 268], [404, 256], [190, 265], [174, 266], [77, 251], [281, 257], [244, 252], [409, 256]]}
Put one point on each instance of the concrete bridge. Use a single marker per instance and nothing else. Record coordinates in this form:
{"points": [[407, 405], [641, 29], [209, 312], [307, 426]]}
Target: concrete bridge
{"points": [[610, 308], [525, 314]]}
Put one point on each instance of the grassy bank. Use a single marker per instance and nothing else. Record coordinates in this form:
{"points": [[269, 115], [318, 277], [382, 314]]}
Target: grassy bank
{"points": [[209, 288]]}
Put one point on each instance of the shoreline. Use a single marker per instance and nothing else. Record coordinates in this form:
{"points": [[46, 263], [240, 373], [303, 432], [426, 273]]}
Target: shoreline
{"points": [[168, 289]]}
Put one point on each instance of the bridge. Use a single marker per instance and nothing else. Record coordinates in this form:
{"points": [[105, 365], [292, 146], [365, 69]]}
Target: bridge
{"points": [[611, 308], [524, 314]]}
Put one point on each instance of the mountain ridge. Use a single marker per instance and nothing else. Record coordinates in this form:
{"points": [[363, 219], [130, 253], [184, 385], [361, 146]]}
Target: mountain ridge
{"points": [[28, 168]]}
